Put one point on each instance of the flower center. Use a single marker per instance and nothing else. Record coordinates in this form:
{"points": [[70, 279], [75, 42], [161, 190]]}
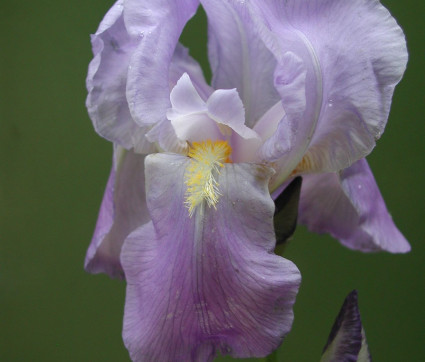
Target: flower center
{"points": [[200, 178]]}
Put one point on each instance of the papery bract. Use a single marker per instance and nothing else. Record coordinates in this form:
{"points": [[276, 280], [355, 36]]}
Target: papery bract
{"points": [[347, 340]]}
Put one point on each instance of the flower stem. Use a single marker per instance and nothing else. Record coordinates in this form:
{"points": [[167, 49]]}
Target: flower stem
{"points": [[273, 357]]}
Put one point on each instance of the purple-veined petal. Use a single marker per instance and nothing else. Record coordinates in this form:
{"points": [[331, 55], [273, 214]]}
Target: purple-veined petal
{"points": [[298, 81], [123, 209], [106, 83], [238, 57], [290, 81], [361, 54], [347, 340], [207, 283], [113, 48], [349, 206], [158, 23]]}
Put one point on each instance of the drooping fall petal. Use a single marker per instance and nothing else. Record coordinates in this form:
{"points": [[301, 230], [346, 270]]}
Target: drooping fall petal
{"points": [[122, 210], [207, 283], [349, 206]]}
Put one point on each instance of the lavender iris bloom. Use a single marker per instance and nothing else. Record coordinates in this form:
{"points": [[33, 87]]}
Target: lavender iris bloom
{"points": [[299, 88]]}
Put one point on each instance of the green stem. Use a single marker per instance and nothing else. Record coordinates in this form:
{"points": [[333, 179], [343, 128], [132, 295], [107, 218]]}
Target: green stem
{"points": [[273, 357]]}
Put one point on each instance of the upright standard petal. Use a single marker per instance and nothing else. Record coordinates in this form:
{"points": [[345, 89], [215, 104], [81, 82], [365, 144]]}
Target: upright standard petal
{"points": [[349, 206], [106, 83], [158, 23], [361, 53], [122, 210], [298, 81], [238, 57], [207, 283], [115, 45]]}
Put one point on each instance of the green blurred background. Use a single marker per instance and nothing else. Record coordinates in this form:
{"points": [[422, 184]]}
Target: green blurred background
{"points": [[54, 169]]}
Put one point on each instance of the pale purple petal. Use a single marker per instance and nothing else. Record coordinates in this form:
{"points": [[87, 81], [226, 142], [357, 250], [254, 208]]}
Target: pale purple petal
{"points": [[106, 83], [163, 133], [361, 54], [298, 80], [347, 340], [195, 119], [188, 114], [349, 206], [158, 23], [123, 209], [290, 81], [238, 57], [114, 45], [225, 107], [185, 98], [254, 150], [182, 63], [207, 283]]}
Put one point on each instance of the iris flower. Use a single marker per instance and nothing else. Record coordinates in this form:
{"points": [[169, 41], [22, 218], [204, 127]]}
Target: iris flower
{"points": [[299, 88]]}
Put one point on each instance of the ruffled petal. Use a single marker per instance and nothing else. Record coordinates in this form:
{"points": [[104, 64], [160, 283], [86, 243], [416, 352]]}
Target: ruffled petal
{"points": [[350, 207], [291, 136], [106, 83], [238, 57], [360, 52], [123, 209], [158, 24], [298, 81], [207, 283]]}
